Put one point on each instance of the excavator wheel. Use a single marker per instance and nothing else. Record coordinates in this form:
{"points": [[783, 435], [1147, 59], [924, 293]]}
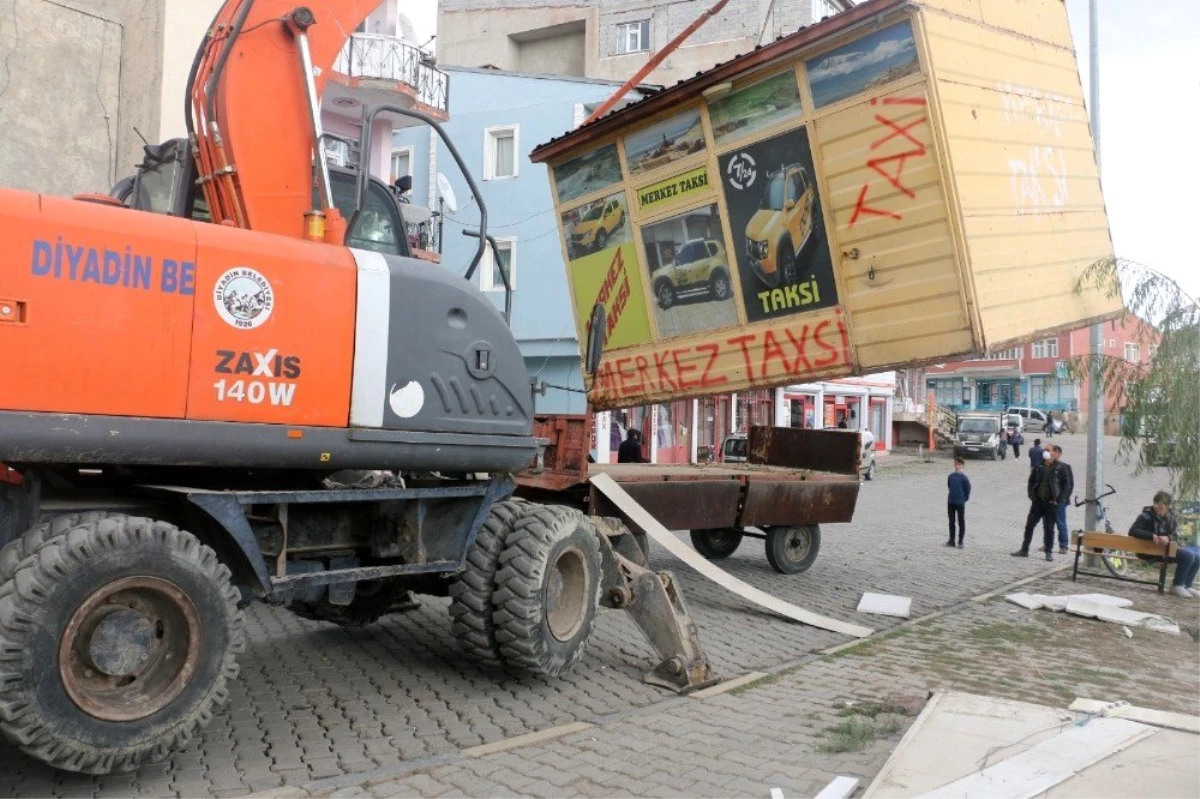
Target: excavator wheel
{"points": [[16, 551], [117, 640], [547, 590], [471, 593]]}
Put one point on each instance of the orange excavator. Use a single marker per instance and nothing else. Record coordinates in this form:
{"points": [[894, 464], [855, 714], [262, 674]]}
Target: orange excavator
{"points": [[218, 388]]}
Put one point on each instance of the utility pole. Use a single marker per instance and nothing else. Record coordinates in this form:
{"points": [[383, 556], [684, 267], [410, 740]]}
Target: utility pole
{"points": [[1095, 440]]}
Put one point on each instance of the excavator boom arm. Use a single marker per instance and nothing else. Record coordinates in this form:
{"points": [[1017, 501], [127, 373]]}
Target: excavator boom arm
{"points": [[250, 112]]}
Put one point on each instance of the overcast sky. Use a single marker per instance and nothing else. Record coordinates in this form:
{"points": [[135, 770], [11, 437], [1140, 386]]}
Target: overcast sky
{"points": [[1149, 124]]}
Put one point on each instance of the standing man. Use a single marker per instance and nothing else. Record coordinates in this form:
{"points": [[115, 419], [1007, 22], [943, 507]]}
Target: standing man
{"points": [[1016, 439], [1064, 541], [630, 450], [1047, 489], [1035, 454]]}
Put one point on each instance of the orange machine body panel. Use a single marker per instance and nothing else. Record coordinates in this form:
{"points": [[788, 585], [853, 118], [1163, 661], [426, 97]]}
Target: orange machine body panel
{"points": [[124, 313]]}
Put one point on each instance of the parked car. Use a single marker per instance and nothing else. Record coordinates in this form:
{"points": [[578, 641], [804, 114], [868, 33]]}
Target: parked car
{"points": [[978, 434], [699, 268], [1014, 422], [1035, 420], [866, 463], [781, 228], [598, 224], [734, 449]]}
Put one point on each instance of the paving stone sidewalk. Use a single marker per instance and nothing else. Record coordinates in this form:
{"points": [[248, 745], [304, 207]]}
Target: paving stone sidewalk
{"points": [[785, 731], [316, 702]]}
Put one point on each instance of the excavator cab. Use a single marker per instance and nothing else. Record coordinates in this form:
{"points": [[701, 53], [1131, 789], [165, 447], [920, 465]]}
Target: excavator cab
{"points": [[165, 183]]}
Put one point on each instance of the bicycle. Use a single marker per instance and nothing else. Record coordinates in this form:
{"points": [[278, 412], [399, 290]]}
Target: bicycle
{"points": [[1114, 560]]}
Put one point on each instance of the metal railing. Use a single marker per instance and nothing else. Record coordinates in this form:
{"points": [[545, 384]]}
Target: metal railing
{"points": [[374, 55]]}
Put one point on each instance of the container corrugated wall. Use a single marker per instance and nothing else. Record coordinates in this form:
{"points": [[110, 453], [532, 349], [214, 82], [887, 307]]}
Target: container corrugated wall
{"points": [[1020, 151]]}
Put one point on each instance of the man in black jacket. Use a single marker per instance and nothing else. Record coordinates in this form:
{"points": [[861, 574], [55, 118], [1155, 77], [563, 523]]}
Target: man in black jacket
{"points": [[630, 450], [1157, 523], [1064, 540], [1047, 488]]}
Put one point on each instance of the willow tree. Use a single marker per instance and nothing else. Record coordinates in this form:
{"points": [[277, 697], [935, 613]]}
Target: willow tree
{"points": [[1160, 395]]}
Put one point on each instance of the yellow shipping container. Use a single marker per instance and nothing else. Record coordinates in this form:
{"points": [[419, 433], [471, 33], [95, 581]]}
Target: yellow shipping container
{"points": [[901, 184]]}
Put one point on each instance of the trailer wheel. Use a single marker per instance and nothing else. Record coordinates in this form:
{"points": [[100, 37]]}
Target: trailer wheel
{"points": [[547, 590], [791, 550], [117, 640], [716, 544], [471, 593], [16, 551]]}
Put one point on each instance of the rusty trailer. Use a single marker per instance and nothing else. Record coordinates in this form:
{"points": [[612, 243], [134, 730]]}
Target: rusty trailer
{"points": [[793, 481]]}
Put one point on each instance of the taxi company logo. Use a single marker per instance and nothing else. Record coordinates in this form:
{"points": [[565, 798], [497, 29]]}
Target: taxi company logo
{"points": [[741, 171], [244, 298]]}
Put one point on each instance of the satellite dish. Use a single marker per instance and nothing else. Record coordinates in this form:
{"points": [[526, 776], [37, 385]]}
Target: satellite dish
{"points": [[447, 192]]}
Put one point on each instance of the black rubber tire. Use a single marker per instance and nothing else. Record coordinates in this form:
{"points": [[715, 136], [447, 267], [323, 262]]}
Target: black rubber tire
{"points": [[16, 551], [372, 601], [719, 287], [601, 239], [717, 544], [36, 605], [541, 539], [472, 592], [787, 274], [664, 294], [791, 550]]}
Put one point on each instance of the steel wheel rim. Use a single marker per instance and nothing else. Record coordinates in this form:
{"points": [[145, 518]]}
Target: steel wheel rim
{"points": [[796, 544], [722, 289], [130, 648], [664, 296], [566, 594]]}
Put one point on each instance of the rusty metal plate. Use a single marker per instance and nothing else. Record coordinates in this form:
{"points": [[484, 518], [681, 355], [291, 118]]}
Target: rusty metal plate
{"points": [[820, 450], [804, 502], [689, 505]]}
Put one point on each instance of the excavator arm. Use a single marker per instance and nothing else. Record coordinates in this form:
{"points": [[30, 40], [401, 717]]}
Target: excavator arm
{"points": [[254, 112]]}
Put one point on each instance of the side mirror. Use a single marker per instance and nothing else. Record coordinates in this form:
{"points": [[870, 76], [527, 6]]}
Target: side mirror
{"points": [[597, 326], [403, 184]]}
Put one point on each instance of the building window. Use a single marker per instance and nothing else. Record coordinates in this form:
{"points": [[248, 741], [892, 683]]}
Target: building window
{"points": [[822, 9], [506, 256], [1047, 348], [633, 37], [401, 163], [1006, 355], [500, 145], [1132, 351], [337, 151]]}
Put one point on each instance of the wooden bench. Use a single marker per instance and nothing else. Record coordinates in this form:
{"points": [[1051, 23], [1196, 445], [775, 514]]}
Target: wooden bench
{"points": [[1097, 543]]}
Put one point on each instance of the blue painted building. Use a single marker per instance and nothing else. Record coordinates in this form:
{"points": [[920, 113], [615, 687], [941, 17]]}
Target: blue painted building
{"points": [[496, 119]]}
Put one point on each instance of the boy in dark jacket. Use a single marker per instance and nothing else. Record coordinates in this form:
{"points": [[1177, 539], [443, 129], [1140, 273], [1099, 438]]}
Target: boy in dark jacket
{"points": [[956, 501], [1157, 523]]}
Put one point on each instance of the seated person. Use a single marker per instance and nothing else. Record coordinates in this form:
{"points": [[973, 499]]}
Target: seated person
{"points": [[1157, 523]]}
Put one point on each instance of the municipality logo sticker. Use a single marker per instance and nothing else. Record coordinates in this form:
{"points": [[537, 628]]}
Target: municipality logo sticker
{"points": [[741, 171], [244, 298]]}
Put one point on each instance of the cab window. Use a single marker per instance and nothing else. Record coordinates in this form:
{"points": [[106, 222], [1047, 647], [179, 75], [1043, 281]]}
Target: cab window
{"points": [[379, 227]]}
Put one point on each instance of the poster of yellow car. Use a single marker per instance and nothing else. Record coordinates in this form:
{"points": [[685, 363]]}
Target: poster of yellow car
{"points": [[689, 273], [597, 224], [777, 227]]}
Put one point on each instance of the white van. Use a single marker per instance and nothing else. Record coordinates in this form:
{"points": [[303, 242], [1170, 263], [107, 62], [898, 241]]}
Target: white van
{"points": [[1035, 420]]}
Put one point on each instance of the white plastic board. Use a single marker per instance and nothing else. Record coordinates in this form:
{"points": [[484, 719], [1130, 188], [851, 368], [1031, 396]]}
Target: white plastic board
{"points": [[885, 605], [642, 518], [840, 788]]}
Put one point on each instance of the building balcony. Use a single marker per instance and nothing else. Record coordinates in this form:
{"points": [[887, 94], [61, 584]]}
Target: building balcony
{"points": [[380, 63]]}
